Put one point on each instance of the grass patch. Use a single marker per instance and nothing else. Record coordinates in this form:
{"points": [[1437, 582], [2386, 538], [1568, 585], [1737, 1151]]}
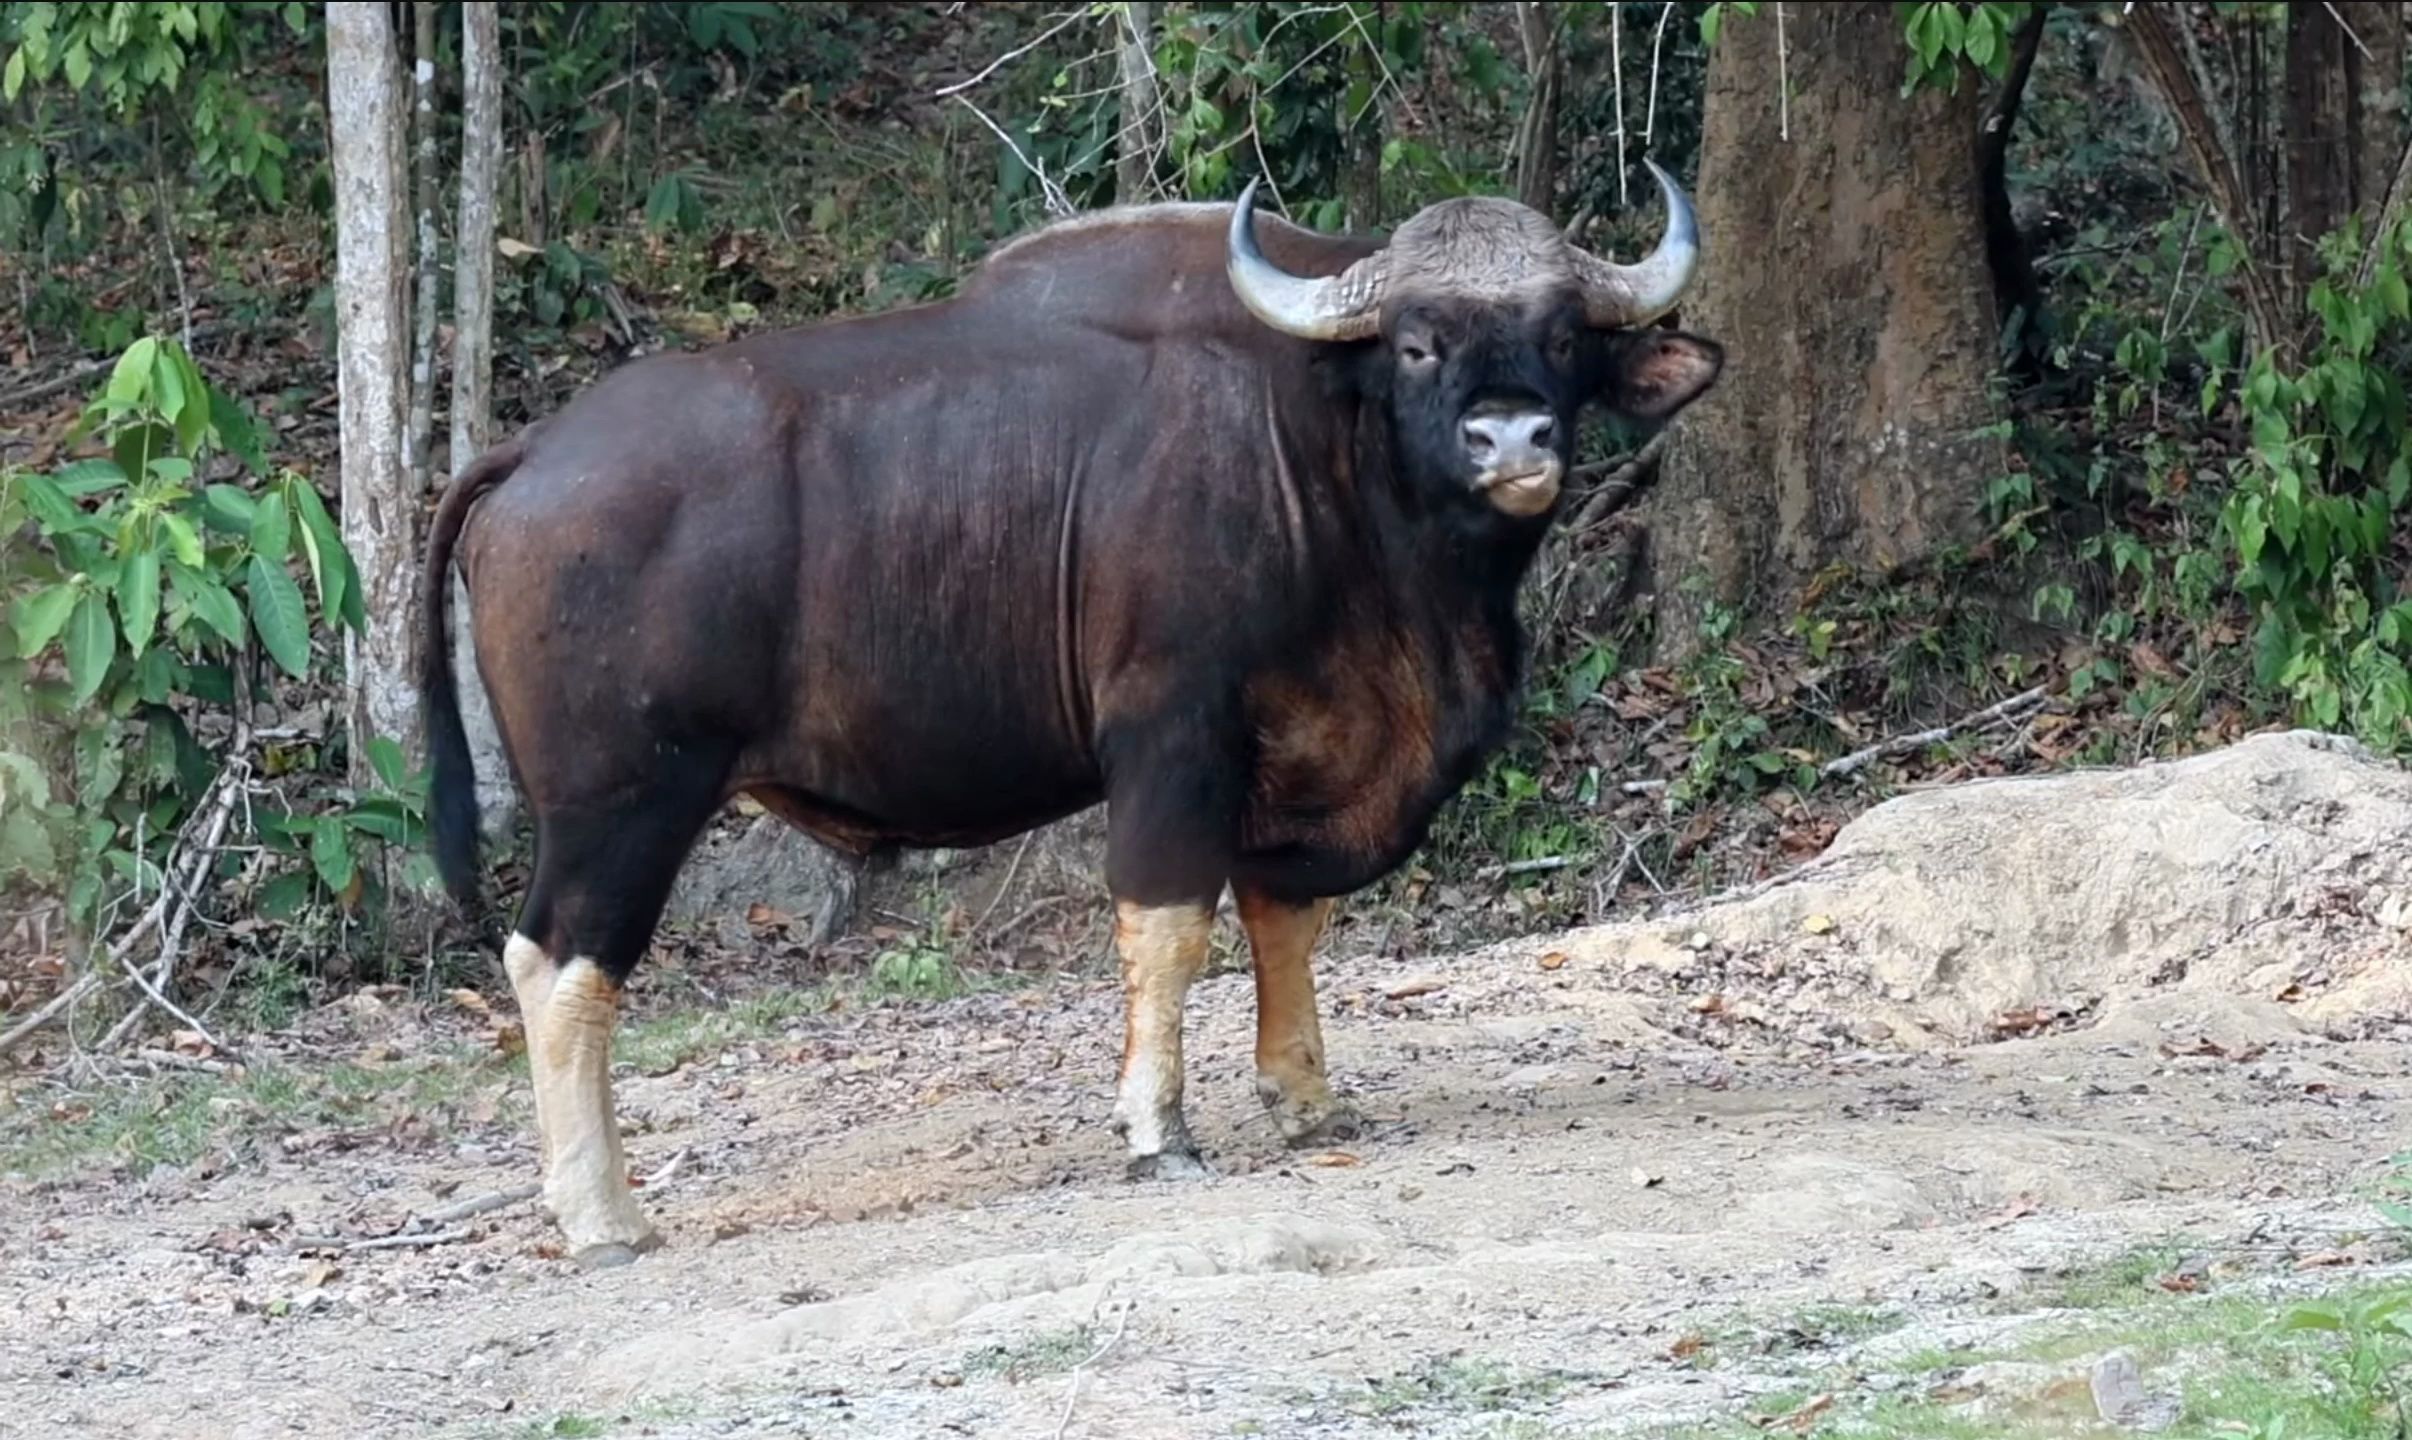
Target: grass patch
{"points": [[1461, 1384], [2130, 1277], [2243, 1366], [175, 1119], [1052, 1353], [659, 1044]]}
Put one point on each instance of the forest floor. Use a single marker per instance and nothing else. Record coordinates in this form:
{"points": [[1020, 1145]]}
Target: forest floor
{"points": [[1582, 1209]]}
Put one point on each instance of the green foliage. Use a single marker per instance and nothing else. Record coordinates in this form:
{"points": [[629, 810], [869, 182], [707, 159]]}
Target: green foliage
{"points": [[128, 620], [1942, 34], [2313, 517], [179, 58]]}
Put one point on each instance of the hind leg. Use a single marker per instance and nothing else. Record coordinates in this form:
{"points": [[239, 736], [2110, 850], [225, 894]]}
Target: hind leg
{"points": [[602, 876]]}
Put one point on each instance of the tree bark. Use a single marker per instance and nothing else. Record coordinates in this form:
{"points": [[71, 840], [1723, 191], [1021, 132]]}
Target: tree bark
{"points": [[2322, 72], [1844, 274], [473, 366], [1537, 136], [2379, 98], [1134, 150], [420, 440], [372, 278]]}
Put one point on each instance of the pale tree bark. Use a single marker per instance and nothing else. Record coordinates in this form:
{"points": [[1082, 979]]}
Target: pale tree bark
{"points": [[473, 366], [372, 278], [419, 443], [1845, 275], [1135, 150]]}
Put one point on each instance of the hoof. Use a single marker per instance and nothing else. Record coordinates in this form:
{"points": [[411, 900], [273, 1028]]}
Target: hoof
{"points": [[1314, 1118], [1306, 1127], [1170, 1165], [612, 1254]]}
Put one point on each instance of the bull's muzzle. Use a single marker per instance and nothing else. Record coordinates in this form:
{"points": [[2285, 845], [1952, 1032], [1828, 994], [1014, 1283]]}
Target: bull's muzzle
{"points": [[1515, 457]]}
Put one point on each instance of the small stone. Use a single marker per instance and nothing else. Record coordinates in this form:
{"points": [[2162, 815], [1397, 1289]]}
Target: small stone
{"points": [[1646, 1180]]}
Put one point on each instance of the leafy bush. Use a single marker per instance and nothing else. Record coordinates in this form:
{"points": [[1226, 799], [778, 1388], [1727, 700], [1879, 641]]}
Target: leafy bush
{"points": [[133, 620]]}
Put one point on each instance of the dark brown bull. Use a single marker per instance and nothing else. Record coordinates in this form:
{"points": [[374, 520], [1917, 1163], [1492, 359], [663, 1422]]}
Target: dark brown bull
{"points": [[1228, 539]]}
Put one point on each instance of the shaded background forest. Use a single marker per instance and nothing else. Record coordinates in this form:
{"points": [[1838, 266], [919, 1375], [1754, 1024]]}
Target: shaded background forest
{"points": [[2063, 426]]}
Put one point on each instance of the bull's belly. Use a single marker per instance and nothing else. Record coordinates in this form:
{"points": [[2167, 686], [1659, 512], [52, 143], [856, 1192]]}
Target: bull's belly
{"points": [[1331, 851]]}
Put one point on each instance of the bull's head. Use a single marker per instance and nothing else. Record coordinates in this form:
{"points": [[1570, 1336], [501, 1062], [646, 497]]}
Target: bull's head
{"points": [[1494, 331]]}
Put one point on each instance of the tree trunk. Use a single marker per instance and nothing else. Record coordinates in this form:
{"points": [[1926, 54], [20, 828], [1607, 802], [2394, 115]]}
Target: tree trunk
{"points": [[1537, 136], [473, 366], [2017, 297], [2379, 97], [1845, 275], [1134, 145], [372, 285], [1361, 173], [420, 441], [2322, 74]]}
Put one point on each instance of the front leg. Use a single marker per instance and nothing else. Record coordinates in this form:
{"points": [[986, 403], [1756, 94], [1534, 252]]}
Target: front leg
{"points": [[1163, 948], [1291, 1078]]}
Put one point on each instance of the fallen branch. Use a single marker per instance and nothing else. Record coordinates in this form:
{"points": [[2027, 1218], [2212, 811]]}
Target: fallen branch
{"points": [[1857, 760], [1524, 867], [406, 1240], [175, 1061], [476, 1205], [1623, 485], [85, 369]]}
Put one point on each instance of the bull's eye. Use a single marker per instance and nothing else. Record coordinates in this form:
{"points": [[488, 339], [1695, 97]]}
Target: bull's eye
{"points": [[1561, 349], [1417, 353]]}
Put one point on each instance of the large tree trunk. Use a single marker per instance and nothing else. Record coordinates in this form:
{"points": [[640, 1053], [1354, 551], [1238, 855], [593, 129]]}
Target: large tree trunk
{"points": [[1845, 274], [1134, 139], [372, 285], [473, 367], [2344, 119]]}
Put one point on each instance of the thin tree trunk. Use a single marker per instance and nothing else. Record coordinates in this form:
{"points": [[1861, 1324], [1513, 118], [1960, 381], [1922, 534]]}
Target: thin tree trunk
{"points": [[372, 278], [1537, 137], [1134, 149], [2165, 62], [2016, 293], [473, 365], [1849, 430], [420, 442]]}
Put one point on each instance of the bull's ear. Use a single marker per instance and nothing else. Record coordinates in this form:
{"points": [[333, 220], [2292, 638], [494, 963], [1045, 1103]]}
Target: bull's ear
{"points": [[1653, 373]]}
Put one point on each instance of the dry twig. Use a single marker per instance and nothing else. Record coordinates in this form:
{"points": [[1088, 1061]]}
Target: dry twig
{"points": [[1072, 1396], [2013, 707]]}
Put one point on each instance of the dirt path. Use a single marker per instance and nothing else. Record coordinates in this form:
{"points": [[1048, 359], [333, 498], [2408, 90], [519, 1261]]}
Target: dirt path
{"points": [[911, 1222]]}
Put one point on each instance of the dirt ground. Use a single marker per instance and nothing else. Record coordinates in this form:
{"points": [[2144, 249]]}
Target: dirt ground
{"points": [[911, 1221]]}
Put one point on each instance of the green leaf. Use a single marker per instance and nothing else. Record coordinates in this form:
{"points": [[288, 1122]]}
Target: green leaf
{"points": [[228, 509], [385, 757], [138, 598], [40, 616], [330, 563], [167, 384], [277, 613], [183, 541], [51, 508], [132, 377], [91, 645], [331, 855], [214, 604], [271, 529], [137, 446], [79, 478], [12, 79], [284, 897], [25, 846]]}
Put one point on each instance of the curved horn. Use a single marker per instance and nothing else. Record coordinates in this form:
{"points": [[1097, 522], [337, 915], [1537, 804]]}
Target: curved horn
{"points": [[1639, 293], [1339, 307]]}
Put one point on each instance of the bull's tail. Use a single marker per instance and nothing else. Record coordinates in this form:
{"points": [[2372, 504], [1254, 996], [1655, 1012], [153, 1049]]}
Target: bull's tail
{"points": [[452, 792]]}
